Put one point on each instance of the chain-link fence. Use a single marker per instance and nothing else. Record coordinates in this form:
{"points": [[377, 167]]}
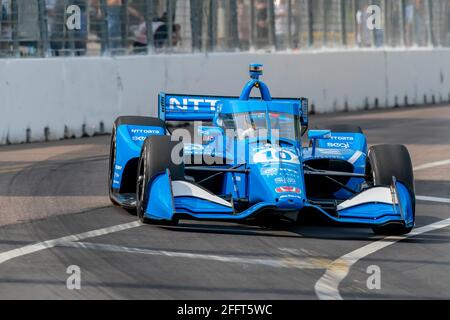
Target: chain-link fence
{"points": [[121, 27]]}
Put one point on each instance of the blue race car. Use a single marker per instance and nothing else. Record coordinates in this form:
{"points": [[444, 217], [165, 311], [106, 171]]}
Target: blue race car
{"points": [[249, 161]]}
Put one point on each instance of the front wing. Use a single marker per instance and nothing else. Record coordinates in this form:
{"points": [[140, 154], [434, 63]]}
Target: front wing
{"points": [[373, 207]]}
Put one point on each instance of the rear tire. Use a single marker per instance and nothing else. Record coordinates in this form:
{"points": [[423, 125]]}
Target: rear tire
{"points": [[156, 158], [385, 162], [112, 161]]}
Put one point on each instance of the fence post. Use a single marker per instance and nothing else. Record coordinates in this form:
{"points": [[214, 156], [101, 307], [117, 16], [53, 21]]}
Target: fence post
{"points": [[386, 25], [105, 40], [15, 26], [273, 43], [402, 23], [149, 24], [289, 26], [324, 6], [343, 23], [429, 22], [196, 25], [170, 23], [252, 25], [69, 33], [233, 24], [125, 23], [309, 9], [43, 28], [212, 22]]}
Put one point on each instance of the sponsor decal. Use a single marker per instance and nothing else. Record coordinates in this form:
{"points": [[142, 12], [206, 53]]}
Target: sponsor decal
{"points": [[342, 138], [287, 180], [140, 134], [139, 138], [291, 196], [270, 172], [332, 152], [287, 189], [192, 103], [275, 155], [337, 145], [146, 131]]}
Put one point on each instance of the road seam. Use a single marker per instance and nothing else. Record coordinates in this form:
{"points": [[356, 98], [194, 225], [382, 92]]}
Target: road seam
{"points": [[281, 262]]}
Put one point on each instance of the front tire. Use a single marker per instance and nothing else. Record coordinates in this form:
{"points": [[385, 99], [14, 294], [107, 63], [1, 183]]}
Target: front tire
{"points": [[156, 158], [385, 162]]}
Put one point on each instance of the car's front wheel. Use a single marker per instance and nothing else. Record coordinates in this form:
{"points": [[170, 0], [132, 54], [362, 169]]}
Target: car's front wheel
{"points": [[156, 158], [384, 163]]}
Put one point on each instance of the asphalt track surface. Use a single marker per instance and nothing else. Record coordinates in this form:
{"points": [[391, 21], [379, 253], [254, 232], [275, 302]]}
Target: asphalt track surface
{"points": [[58, 190]]}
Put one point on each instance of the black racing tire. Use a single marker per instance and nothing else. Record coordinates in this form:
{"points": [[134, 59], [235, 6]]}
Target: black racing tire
{"points": [[126, 120], [343, 128], [385, 162], [156, 158], [112, 160]]}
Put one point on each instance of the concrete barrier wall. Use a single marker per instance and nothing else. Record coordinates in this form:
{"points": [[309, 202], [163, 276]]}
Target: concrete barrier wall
{"points": [[64, 97]]}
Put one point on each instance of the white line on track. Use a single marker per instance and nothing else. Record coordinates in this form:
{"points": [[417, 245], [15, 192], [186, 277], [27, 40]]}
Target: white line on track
{"points": [[327, 288], [73, 241], [432, 165], [15, 253], [433, 199]]}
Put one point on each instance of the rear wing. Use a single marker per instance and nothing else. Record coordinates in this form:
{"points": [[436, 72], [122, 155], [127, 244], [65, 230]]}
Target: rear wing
{"points": [[175, 107]]}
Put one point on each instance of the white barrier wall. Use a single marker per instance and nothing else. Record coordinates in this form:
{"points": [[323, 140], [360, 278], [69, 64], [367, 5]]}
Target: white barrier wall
{"points": [[62, 97]]}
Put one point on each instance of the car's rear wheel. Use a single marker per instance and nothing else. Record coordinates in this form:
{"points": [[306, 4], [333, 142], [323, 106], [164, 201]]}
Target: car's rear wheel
{"points": [[384, 163], [112, 161], [156, 158]]}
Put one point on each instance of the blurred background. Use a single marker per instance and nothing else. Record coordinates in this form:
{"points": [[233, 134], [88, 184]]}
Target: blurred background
{"points": [[344, 55], [37, 28]]}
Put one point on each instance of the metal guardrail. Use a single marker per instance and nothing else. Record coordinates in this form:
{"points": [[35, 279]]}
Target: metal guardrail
{"points": [[43, 28]]}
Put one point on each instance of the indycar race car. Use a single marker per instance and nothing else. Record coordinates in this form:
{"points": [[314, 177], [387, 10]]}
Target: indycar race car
{"points": [[249, 161]]}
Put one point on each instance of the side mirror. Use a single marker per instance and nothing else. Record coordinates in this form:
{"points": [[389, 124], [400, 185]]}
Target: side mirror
{"points": [[319, 134], [209, 134], [315, 135], [209, 131], [304, 118]]}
